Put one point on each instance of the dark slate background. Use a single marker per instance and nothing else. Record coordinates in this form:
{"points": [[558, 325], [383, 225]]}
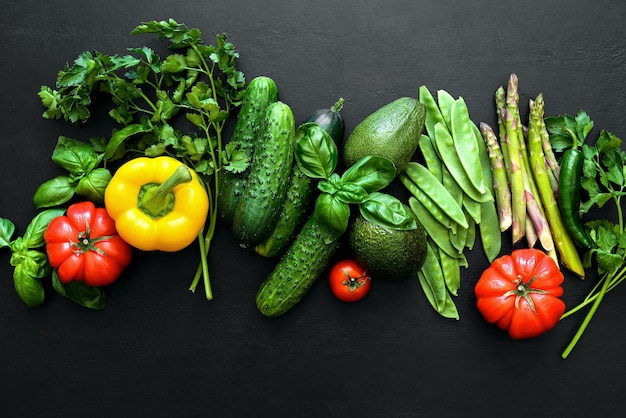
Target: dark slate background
{"points": [[158, 350]]}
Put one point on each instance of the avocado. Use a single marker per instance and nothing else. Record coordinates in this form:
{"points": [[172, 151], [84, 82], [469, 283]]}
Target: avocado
{"points": [[387, 254], [393, 131]]}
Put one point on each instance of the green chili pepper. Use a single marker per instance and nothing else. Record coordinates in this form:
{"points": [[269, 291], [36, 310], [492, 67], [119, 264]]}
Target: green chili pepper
{"points": [[569, 196]]}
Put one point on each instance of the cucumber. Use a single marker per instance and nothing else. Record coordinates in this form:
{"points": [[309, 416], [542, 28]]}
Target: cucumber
{"points": [[301, 188], [296, 205], [259, 94], [297, 270], [261, 202]]}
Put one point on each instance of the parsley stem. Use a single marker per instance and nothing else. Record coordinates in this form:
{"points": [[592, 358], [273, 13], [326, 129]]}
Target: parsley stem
{"points": [[588, 318]]}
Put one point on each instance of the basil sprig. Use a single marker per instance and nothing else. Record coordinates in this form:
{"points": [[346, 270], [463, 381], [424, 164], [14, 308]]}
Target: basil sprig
{"points": [[317, 155]]}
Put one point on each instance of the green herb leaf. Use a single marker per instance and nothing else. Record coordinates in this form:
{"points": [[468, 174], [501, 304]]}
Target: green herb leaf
{"points": [[28, 287], [387, 211], [75, 156], [332, 215], [372, 173], [7, 229], [54, 192], [123, 134], [92, 186], [316, 153], [352, 193], [33, 236], [87, 296]]}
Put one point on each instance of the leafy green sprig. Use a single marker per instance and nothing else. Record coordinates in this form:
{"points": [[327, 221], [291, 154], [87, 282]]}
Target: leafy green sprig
{"points": [[604, 180], [148, 94], [316, 154]]}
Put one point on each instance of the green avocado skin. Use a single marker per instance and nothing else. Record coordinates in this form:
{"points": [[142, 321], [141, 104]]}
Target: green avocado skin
{"points": [[392, 131], [387, 254]]}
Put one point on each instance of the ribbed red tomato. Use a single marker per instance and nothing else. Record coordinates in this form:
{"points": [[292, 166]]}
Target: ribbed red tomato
{"points": [[520, 293], [84, 245]]}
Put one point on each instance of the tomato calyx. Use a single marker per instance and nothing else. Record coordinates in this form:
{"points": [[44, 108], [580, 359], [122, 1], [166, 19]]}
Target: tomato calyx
{"points": [[354, 283], [86, 243], [524, 290]]}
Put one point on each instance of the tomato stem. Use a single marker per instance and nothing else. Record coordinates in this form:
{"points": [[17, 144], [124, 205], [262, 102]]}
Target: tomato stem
{"points": [[523, 290]]}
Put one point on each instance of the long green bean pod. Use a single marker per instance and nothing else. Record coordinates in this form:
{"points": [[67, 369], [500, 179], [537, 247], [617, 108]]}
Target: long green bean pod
{"points": [[562, 241]]}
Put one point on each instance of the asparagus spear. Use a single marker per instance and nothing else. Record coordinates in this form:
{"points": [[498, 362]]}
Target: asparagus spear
{"points": [[500, 111], [564, 244], [500, 176], [518, 201]]}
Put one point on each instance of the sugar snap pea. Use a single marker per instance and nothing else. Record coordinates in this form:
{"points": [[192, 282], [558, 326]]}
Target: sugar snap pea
{"points": [[451, 271], [433, 114], [445, 102], [490, 235], [450, 158], [472, 207], [432, 160], [437, 232], [431, 280], [465, 143], [430, 205], [433, 188]]}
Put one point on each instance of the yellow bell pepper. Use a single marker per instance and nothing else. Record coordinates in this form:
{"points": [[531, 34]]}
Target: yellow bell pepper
{"points": [[157, 203]]}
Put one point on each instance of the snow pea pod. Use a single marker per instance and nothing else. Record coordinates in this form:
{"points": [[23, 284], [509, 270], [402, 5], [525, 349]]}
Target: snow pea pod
{"points": [[431, 279], [438, 215], [450, 158], [437, 232], [465, 143], [432, 160], [445, 101], [433, 188], [451, 270], [433, 114]]}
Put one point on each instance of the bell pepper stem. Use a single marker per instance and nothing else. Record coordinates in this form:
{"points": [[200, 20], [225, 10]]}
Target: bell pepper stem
{"points": [[157, 200]]}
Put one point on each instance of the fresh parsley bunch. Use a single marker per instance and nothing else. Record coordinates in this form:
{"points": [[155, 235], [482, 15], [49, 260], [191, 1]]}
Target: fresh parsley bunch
{"points": [[175, 105], [604, 180]]}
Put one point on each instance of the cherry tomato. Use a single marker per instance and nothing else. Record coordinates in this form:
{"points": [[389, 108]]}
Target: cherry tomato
{"points": [[349, 281]]}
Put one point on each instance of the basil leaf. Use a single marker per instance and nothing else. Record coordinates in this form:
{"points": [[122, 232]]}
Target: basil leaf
{"points": [[33, 236], [92, 186], [331, 185], [316, 153], [87, 296], [352, 193], [332, 216], [371, 172], [387, 211], [77, 157], [7, 228], [54, 192], [121, 135], [27, 286]]}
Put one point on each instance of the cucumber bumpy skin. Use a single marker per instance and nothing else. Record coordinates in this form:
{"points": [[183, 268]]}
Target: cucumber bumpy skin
{"points": [[262, 200], [297, 198], [260, 93], [297, 270]]}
